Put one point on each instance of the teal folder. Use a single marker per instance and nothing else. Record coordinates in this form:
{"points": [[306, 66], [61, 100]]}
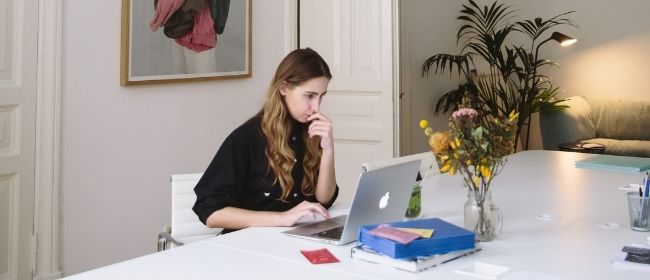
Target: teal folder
{"points": [[615, 163]]}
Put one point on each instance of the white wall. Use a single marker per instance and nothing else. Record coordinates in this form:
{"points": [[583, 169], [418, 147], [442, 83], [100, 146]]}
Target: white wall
{"points": [[121, 144], [611, 57], [428, 27]]}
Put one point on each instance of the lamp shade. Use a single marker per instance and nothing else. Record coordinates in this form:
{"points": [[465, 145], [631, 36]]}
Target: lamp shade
{"points": [[564, 40]]}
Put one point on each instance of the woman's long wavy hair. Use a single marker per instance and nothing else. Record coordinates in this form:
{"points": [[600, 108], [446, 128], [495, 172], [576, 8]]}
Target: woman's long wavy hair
{"points": [[296, 68]]}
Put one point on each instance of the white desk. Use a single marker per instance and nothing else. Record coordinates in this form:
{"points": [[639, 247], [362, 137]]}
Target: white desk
{"points": [[202, 260], [532, 183]]}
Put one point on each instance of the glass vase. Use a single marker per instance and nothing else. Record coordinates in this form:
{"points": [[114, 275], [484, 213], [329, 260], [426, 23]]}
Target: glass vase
{"points": [[415, 202], [482, 216]]}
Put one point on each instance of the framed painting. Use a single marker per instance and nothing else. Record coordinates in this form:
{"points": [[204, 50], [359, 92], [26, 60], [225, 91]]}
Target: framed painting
{"points": [[208, 41]]}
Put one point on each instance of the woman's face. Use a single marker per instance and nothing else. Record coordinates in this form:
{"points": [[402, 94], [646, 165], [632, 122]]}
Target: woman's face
{"points": [[304, 100]]}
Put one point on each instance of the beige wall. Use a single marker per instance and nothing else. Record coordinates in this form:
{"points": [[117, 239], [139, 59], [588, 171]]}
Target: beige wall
{"points": [[611, 57], [121, 144]]}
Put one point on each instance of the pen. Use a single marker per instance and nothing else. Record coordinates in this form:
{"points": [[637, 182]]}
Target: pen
{"points": [[646, 184], [643, 216]]}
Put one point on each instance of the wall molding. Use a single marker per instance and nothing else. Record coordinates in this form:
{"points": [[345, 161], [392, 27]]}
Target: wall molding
{"points": [[48, 98], [290, 25]]}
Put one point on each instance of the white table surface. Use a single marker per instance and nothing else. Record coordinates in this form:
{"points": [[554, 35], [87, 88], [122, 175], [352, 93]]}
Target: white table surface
{"points": [[201, 260], [533, 183]]}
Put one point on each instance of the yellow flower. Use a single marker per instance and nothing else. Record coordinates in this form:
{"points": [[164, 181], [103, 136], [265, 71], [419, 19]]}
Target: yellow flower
{"points": [[457, 142], [477, 180], [452, 170], [428, 131], [424, 124], [486, 172], [445, 167], [513, 116], [439, 142], [468, 162]]}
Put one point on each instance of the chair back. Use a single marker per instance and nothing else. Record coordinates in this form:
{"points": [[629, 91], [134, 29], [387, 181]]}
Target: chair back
{"points": [[185, 225]]}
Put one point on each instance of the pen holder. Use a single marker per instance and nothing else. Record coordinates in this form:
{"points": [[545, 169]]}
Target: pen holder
{"points": [[639, 208]]}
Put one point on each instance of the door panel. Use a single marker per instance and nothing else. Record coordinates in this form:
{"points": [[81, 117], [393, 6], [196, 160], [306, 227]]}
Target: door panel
{"points": [[355, 38], [18, 49]]}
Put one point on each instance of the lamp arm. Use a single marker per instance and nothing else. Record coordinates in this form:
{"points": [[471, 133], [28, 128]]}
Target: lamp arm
{"points": [[535, 61]]}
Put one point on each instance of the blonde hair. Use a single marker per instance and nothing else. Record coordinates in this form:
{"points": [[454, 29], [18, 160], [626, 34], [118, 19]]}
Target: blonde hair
{"points": [[296, 68]]}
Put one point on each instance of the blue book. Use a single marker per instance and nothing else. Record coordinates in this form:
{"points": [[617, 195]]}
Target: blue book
{"points": [[615, 163], [447, 237]]}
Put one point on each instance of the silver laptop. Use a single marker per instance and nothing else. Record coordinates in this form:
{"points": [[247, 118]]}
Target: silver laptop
{"points": [[381, 196]]}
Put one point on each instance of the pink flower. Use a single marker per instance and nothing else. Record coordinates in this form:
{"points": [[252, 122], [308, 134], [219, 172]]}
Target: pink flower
{"points": [[464, 113]]}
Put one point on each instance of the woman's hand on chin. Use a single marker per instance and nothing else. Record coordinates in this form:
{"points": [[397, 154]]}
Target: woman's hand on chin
{"points": [[322, 126]]}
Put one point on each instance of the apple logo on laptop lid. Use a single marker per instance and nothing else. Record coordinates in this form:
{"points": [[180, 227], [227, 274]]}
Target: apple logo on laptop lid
{"points": [[383, 202]]}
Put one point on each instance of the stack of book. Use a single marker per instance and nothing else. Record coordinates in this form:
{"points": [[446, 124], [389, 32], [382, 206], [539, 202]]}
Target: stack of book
{"points": [[615, 163], [634, 256], [446, 243]]}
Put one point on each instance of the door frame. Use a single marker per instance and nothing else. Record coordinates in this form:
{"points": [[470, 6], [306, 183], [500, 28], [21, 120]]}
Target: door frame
{"points": [[397, 81], [46, 261]]}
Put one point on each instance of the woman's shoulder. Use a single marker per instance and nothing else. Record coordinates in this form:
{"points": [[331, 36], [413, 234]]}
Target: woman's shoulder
{"points": [[249, 130]]}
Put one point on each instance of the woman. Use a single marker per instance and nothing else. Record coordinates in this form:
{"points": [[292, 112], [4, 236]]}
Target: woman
{"points": [[278, 166]]}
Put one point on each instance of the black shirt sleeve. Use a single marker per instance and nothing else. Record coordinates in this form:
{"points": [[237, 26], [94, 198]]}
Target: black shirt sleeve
{"points": [[222, 184]]}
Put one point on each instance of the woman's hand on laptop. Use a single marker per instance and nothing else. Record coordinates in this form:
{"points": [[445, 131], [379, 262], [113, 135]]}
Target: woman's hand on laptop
{"points": [[304, 209]]}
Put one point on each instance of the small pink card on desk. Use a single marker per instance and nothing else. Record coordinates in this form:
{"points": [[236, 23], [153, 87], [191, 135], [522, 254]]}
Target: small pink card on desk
{"points": [[319, 256], [388, 232]]}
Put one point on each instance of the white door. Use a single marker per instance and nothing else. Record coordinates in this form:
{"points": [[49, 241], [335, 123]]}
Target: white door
{"points": [[18, 47], [356, 39]]}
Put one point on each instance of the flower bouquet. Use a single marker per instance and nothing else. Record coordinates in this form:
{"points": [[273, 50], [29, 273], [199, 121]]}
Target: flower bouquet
{"points": [[476, 147]]}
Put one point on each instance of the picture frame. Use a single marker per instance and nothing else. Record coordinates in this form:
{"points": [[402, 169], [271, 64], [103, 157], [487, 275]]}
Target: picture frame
{"points": [[151, 57]]}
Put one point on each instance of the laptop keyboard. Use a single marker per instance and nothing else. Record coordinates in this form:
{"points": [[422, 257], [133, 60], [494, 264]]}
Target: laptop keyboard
{"points": [[333, 233]]}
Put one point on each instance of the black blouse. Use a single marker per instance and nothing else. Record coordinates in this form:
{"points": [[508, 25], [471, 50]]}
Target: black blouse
{"points": [[240, 176]]}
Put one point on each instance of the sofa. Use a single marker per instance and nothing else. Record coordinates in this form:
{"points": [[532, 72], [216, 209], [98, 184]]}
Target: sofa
{"points": [[622, 127]]}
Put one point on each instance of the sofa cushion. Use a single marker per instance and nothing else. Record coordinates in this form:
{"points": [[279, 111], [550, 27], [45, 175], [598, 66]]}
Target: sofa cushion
{"points": [[635, 148], [569, 125], [618, 119]]}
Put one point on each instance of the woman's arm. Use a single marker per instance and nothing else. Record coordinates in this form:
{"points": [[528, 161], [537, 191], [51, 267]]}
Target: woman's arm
{"points": [[326, 184], [237, 218]]}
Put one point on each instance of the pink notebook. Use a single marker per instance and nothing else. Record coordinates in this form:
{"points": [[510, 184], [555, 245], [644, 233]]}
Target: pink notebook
{"points": [[388, 232]]}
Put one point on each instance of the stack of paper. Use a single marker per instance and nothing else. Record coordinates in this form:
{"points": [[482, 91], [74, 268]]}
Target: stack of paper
{"points": [[415, 264], [639, 262]]}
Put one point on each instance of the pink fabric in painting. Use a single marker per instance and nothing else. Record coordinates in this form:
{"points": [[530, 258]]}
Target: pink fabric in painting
{"points": [[203, 37]]}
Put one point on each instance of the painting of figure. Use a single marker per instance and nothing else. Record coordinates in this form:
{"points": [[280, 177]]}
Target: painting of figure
{"points": [[185, 40]]}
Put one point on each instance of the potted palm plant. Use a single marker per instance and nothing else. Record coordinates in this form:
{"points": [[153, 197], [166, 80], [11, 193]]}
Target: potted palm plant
{"points": [[512, 80]]}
